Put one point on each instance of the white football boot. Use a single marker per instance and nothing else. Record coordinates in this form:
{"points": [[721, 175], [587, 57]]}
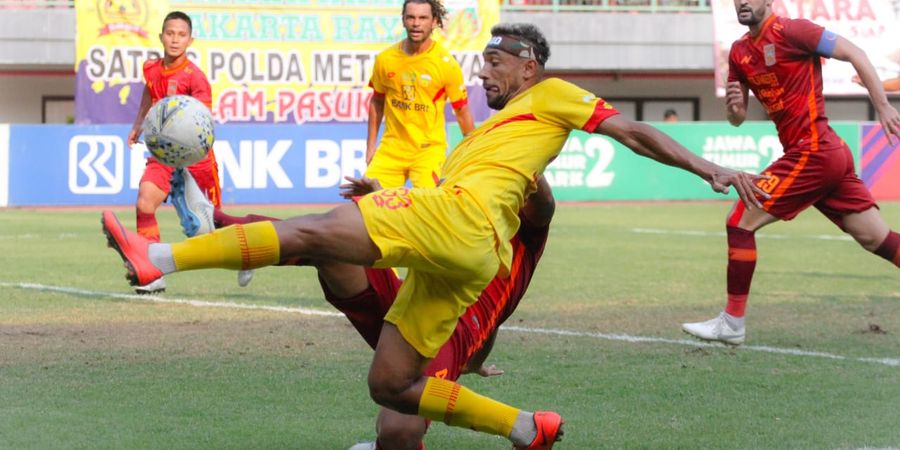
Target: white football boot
{"points": [[156, 286], [717, 329], [196, 211], [193, 207], [363, 446], [244, 277]]}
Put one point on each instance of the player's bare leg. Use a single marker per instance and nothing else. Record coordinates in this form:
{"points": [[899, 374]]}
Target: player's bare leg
{"points": [[398, 431], [728, 327], [339, 235], [343, 280], [868, 228]]}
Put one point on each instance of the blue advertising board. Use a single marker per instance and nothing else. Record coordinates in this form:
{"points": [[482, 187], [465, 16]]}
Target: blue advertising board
{"points": [[65, 165], [92, 165]]}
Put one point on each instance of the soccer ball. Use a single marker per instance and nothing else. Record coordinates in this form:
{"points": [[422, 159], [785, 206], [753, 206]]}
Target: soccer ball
{"points": [[178, 130]]}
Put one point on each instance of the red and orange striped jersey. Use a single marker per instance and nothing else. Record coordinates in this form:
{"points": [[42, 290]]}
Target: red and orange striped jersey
{"points": [[783, 70], [186, 79], [183, 79], [500, 298]]}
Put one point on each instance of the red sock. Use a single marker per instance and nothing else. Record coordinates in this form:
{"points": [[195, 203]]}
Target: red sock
{"points": [[147, 226], [888, 248], [741, 264]]}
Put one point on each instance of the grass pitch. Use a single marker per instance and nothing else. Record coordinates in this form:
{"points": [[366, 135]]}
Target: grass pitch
{"points": [[597, 338]]}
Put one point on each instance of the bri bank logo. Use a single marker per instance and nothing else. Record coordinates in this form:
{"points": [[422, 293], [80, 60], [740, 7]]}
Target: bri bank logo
{"points": [[102, 164], [96, 164]]}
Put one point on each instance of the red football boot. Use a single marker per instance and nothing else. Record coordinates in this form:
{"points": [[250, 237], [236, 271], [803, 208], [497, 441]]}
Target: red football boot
{"points": [[132, 247], [549, 431]]}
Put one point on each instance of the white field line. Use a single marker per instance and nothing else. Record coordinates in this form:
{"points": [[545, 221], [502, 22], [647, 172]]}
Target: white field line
{"points": [[27, 236], [894, 362], [694, 343], [820, 237], [176, 301]]}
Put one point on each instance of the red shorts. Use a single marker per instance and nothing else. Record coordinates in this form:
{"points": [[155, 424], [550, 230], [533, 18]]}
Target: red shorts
{"points": [[205, 172], [825, 179]]}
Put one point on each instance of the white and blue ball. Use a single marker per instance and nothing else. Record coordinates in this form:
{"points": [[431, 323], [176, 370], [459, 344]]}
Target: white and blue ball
{"points": [[178, 130]]}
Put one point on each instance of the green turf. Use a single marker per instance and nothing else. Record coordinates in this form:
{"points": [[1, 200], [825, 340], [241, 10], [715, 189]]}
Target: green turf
{"points": [[84, 370]]}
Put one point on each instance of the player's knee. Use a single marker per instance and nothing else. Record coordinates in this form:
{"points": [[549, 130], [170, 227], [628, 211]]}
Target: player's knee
{"points": [[304, 235], [383, 390], [868, 240], [145, 205]]}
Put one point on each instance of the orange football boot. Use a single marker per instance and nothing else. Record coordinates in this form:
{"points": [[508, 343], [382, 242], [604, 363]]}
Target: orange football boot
{"points": [[549, 431], [132, 247]]}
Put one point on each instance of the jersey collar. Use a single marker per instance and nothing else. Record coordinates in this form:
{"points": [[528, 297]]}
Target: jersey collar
{"points": [[173, 69], [765, 27]]}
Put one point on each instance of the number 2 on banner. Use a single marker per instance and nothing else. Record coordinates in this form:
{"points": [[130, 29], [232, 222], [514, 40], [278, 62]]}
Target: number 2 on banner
{"points": [[599, 177]]}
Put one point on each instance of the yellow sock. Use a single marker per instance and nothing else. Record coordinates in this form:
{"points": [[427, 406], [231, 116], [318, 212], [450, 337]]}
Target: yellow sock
{"points": [[459, 406], [236, 247]]}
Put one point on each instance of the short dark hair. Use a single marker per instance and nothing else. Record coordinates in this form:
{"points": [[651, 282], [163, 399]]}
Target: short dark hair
{"points": [[180, 16], [528, 33], [669, 113], [437, 9]]}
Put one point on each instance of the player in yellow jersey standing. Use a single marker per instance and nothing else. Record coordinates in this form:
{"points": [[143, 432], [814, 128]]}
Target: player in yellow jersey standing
{"points": [[412, 80], [454, 238]]}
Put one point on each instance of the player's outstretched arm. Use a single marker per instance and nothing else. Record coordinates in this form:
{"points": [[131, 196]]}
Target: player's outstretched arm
{"points": [[844, 50], [540, 205], [652, 143], [356, 187], [135, 132], [476, 362]]}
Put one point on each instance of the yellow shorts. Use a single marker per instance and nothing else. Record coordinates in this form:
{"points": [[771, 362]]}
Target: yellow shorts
{"points": [[392, 166], [450, 249]]}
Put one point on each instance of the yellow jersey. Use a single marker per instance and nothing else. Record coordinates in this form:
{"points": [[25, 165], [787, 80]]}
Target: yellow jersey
{"points": [[415, 89], [498, 162]]}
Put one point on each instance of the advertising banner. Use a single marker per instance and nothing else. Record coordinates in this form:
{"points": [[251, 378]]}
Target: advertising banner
{"points": [[91, 165], [286, 61], [594, 167], [59, 165], [873, 25], [880, 162]]}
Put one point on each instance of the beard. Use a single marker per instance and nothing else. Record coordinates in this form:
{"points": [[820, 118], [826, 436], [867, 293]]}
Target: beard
{"points": [[754, 18], [499, 102]]}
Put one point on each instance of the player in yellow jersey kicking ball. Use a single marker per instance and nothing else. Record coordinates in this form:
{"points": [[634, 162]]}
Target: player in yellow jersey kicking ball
{"points": [[454, 238], [412, 79]]}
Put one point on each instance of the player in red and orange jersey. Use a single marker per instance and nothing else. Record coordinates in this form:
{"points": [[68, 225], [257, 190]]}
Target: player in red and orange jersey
{"points": [[174, 74], [364, 295], [780, 61], [412, 79]]}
